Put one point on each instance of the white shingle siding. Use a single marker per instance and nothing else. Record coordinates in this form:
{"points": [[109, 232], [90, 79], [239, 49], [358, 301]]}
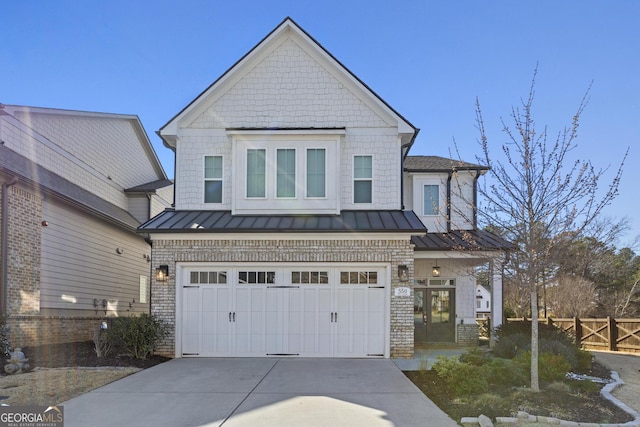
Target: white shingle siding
{"points": [[190, 179], [462, 215], [385, 150], [288, 88], [462, 201]]}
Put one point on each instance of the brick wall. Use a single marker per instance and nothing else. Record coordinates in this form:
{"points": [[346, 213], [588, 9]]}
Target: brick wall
{"points": [[36, 330], [23, 269], [395, 252], [468, 335]]}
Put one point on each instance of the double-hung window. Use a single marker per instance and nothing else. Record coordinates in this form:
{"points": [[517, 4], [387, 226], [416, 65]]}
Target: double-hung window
{"points": [[431, 200], [316, 172], [362, 179], [256, 172], [213, 179], [286, 172]]}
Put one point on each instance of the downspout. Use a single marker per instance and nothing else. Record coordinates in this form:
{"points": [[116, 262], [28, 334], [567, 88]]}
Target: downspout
{"points": [[403, 155], [475, 199], [5, 243], [449, 201]]}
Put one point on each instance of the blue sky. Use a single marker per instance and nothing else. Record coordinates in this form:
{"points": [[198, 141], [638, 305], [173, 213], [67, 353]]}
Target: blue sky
{"points": [[427, 59]]}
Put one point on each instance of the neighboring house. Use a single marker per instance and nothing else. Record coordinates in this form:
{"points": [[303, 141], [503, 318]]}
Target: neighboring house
{"points": [[75, 187], [483, 302], [290, 234]]}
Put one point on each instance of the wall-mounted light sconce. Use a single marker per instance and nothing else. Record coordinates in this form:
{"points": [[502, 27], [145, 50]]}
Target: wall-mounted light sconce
{"points": [[436, 270], [403, 273], [45, 223], [162, 273], [119, 251]]}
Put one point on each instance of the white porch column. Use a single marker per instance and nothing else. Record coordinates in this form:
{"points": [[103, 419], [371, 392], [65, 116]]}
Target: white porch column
{"points": [[496, 292]]}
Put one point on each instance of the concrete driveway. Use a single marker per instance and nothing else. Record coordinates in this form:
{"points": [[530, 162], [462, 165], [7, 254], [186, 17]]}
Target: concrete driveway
{"points": [[259, 392]]}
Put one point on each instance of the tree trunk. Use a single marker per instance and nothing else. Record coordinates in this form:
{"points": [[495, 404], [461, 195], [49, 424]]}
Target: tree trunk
{"points": [[535, 384]]}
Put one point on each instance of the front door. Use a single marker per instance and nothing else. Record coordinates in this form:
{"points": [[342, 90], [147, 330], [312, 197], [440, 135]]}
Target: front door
{"points": [[434, 315]]}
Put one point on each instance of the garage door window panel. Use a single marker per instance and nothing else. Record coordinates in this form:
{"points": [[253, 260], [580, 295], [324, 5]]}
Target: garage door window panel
{"points": [[257, 277]]}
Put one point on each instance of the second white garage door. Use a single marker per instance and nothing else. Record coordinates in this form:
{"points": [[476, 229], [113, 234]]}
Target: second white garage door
{"points": [[292, 311]]}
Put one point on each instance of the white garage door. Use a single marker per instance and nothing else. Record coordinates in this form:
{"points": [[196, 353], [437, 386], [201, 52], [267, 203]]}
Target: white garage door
{"points": [[292, 311]]}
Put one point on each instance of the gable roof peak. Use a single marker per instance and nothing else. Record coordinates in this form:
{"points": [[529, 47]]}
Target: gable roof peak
{"points": [[288, 28]]}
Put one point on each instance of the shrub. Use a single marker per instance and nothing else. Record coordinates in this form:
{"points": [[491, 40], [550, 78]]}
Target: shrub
{"points": [[505, 372], [584, 386], [559, 348], [584, 361], [551, 367], [475, 357], [509, 346], [102, 341], [491, 405], [137, 336], [549, 332], [461, 378]]}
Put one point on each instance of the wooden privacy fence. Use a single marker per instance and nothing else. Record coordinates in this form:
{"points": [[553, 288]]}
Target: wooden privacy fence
{"points": [[598, 334]]}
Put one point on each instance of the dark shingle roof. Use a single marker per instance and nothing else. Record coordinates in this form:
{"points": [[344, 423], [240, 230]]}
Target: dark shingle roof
{"points": [[150, 186], [461, 240], [223, 222], [437, 164], [16, 164]]}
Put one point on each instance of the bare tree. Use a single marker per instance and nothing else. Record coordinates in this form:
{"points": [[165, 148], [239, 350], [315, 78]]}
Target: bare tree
{"points": [[572, 296], [537, 193]]}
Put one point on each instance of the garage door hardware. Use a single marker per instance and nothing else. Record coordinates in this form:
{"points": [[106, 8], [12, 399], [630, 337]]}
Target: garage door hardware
{"points": [[232, 315], [334, 317]]}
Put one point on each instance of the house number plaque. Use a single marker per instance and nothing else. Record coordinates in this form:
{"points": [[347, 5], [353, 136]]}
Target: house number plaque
{"points": [[402, 292]]}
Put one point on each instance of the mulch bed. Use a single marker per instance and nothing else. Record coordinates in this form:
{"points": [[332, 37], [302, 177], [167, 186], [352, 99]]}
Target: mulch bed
{"points": [[577, 406], [82, 354]]}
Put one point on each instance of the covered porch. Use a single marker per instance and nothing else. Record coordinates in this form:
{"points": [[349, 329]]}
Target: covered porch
{"points": [[447, 267]]}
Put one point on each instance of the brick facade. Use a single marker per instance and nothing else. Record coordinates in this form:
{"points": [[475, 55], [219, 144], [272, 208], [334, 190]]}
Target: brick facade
{"points": [[36, 330], [468, 335], [394, 252], [23, 269]]}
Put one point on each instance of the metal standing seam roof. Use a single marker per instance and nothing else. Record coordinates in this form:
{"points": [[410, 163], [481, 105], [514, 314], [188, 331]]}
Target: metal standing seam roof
{"points": [[171, 221], [461, 240]]}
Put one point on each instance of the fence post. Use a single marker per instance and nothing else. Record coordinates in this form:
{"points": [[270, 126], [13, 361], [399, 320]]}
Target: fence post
{"points": [[577, 327], [611, 326]]}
